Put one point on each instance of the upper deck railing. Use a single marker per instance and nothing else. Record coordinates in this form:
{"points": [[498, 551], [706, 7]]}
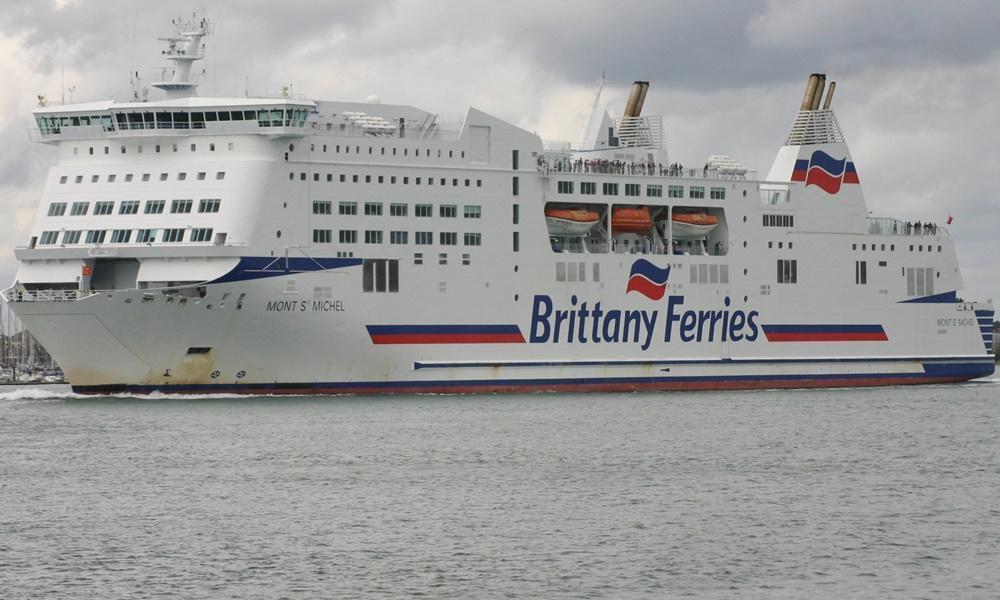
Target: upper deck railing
{"points": [[549, 164], [889, 226]]}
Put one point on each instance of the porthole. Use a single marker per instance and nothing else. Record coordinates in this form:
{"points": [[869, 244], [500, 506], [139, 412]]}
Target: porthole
{"points": [[278, 233], [744, 218], [745, 271], [291, 176], [291, 147], [515, 268], [516, 297], [745, 298], [744, 195], [744, 244], [284, 205]]}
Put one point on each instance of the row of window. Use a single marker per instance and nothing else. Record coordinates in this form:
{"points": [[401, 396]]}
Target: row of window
{"points": [[375, 236], [156, 148], [892, 247], [589, 188], [371, 150], [443, 181], [397, 209], [124, 236], [779, 220], [268, 117], [129, 177], [576, 271], [131, 207], [706, 273]]}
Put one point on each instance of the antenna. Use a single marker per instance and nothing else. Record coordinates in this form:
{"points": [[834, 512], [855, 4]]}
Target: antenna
{"points": [[183, 48]]}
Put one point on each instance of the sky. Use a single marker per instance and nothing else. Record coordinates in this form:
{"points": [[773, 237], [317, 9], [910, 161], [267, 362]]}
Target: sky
{"points": [[917, 81]]}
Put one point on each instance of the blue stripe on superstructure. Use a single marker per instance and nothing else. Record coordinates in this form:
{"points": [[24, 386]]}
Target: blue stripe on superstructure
{"points": [[260, 267], [942, 298]]}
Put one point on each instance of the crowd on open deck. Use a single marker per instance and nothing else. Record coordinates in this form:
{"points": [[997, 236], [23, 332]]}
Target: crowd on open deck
{"points": [[621, 167]]}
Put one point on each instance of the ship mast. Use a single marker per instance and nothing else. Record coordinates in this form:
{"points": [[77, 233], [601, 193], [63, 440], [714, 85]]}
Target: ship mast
{"points": [[183, 48]]}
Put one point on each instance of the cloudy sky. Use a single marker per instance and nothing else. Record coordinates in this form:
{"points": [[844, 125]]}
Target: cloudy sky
{"points": [[918, 81]]}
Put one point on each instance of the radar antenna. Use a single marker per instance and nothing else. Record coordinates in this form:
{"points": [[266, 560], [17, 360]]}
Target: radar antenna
{"points": [[183, 48]]}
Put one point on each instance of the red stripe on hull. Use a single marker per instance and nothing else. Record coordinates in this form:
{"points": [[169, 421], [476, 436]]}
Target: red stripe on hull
{"points": [[448, 338], [874, 336]]}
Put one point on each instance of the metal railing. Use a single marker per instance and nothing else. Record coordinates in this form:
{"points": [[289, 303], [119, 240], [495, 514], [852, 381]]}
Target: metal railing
{"points": [[889, 226], [19, 295]]}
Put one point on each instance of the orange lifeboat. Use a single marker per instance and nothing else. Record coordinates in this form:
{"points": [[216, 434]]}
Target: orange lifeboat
{"points": [[570, 221], [631, 220], [692, 226]]}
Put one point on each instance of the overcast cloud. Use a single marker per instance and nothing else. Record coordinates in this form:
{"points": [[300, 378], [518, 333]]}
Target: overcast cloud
{"points": [[917, 80]]}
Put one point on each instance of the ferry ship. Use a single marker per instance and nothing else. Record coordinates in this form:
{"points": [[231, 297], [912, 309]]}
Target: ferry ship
{"points": [[287, 246]]}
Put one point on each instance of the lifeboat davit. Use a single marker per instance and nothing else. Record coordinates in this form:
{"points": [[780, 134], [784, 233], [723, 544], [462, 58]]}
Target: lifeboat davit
{"points": [[693, 226], [570, 221], [631, 220]]}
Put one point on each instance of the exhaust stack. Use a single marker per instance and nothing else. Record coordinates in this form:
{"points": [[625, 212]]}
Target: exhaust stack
{"points": [[636, 98], [814, 91], [829, 95]]}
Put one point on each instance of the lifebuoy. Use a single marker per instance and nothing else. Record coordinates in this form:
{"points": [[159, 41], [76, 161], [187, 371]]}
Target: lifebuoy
{"points": [[87, 271]]}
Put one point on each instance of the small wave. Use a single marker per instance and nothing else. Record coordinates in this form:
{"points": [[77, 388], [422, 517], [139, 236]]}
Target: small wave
{"points": [[38, 394]]}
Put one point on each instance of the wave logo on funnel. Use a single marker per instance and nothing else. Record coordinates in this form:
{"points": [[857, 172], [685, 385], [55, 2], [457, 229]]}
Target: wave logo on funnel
{"points": [[825, 172], [647, 279]]}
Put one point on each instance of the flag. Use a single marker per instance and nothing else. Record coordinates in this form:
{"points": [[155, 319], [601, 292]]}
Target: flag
{"points": [[950, 219]]}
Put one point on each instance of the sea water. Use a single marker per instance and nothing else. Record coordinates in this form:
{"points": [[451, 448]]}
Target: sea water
{"points": [[880, 493]]}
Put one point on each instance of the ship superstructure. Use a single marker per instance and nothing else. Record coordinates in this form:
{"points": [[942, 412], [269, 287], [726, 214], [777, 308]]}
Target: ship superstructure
{"points": [[266, 245]]}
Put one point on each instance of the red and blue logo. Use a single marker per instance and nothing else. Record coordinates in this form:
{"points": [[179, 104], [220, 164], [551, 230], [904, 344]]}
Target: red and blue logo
{"points": [[825, 172], [647, 279]]}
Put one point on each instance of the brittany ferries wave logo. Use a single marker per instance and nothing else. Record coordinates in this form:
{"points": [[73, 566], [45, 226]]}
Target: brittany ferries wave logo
{"points": [[647, 279], [825, 172]]}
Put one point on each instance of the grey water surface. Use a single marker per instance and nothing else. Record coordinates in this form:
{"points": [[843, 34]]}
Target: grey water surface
{"points": [[868, 493]]}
